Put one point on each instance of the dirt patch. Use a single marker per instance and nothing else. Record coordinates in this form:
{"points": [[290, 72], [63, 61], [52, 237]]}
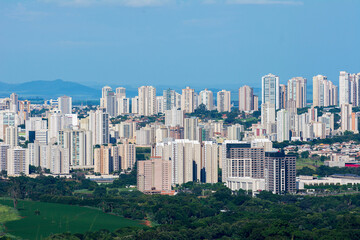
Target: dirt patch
{"points": [[146, 223]]}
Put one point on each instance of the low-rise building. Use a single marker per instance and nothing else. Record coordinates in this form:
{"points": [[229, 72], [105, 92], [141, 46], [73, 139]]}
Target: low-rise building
{"points": [[348, 179]]}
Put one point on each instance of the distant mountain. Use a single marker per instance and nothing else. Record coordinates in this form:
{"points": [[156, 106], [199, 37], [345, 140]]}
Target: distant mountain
{"points": [[49, 89]]}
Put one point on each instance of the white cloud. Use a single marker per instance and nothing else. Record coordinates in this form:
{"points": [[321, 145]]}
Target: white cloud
{"points": [[21, 12], [67, 43], [154, 3], [128, 3], [144, 3], [264, 2], [203, 22], [209, 1]]}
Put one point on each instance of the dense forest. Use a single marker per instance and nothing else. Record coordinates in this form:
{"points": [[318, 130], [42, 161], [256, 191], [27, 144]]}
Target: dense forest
{"points": [[199, 211]]}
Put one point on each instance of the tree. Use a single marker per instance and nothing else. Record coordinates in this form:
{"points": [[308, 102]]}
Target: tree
{"points": [[33, 169], [223, 194], [201, 109], [15, 192], [3, 173], [125, 179], [306, 171], [100, 192], [268, 196], [256, 114], [323, 158], [305, 154], [347, 132]]}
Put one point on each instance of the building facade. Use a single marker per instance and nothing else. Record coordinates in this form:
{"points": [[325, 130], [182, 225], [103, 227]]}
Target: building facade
{"points": [[270, 90], [154, 175], [224, 101], [280, 172]]}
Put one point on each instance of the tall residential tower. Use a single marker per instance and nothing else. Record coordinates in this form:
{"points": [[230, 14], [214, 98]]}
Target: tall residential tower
{"points": [[270, 90]]}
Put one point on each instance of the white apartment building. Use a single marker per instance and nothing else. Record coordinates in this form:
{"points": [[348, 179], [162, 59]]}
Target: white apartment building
{"points": [[325, 93], [270, 90], [174, 118], [122, 106], [206, 97], [234, 132], [297, 90], [135, 105], [188, 100], [283, 127], [65, 104], [120, 92], [190, 160], [3, 156], [246, 99], [17, 162], [99, 126], [80, 146], [11, 136], [224, 101], [147, 100], [191, 128]]}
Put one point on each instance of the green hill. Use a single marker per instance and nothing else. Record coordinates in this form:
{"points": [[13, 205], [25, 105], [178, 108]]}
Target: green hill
{"points": [[40, 219]]}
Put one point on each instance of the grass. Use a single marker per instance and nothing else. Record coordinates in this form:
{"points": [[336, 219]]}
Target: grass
{"points": [[59, 218], [250, 119], [143, 153], [308, 162], [123, 189], [127, 189], [83, 191], [7, 214]]}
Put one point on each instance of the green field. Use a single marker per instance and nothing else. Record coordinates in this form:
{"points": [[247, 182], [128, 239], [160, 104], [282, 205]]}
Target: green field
{"points": [[83, 191], [308, 162], [59, 218], [7, 214]]}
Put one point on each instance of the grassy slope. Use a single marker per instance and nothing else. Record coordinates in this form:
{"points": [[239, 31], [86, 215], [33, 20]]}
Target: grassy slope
{"points": [[308, 162], [58, 218], [7, 214]]}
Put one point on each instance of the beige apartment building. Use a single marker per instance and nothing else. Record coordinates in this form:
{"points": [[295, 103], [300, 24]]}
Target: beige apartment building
{"points": [[154, 175]]}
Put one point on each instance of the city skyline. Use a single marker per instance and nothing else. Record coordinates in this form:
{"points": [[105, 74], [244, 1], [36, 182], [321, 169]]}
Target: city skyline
{"points": [[179, 119], [95, 93]]}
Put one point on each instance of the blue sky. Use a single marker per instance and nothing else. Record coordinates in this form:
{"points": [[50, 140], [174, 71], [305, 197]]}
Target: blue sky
{"points": [[201, 43]]}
